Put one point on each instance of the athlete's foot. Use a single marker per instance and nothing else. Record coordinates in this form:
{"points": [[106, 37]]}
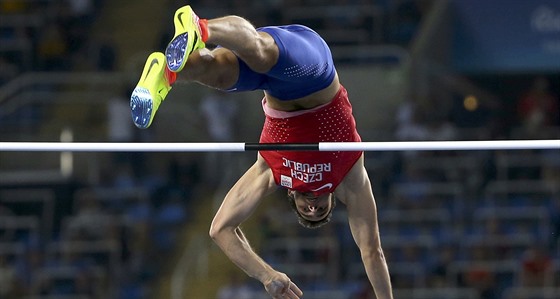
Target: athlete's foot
{"points": [[190, 35], [151, 90]]}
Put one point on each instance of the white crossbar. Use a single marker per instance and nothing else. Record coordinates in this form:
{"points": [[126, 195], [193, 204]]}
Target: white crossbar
{"points": [[241, 147]]}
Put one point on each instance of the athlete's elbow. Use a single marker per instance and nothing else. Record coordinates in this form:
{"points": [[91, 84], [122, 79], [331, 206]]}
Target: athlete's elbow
{"points": [[215, 231], [218, 231], [374, 254]]}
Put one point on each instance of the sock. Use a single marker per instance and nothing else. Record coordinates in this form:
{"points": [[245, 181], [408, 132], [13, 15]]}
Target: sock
{"points": [[170, 76], [203, 23]]}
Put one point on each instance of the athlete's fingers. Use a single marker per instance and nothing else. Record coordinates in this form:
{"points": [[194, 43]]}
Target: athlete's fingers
{"points": [[292, 292], [291, 295], [295, 289], [277, 289]]}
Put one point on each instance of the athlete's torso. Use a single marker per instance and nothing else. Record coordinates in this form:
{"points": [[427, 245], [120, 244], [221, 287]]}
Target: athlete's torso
{"points": [[310, 171]]}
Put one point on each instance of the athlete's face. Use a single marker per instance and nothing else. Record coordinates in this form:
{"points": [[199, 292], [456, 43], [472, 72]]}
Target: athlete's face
{"points": [[311, 207]]}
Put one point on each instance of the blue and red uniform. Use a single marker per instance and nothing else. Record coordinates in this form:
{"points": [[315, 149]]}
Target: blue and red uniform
{"points": [[304, 66]]}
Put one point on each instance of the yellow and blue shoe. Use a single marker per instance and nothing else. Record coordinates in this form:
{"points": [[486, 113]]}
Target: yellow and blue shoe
{"points": [[150, 91], [188, 38]]}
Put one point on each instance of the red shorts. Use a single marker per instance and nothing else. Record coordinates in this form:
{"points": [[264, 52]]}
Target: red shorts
{"points": [[311, 171]]}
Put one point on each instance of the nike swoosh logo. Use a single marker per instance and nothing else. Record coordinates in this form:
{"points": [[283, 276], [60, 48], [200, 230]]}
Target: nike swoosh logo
{"points": [[180, 19], [328, 185], [154, 62], [194, 43]]}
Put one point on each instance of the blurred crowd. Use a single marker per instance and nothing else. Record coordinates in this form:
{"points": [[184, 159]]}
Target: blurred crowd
{"points": [[529, 109], [109, 240], [52, 35]]}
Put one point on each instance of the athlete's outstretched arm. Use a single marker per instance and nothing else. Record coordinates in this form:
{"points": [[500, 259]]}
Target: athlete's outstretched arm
{"points": [[239, 204], [355, 191]]}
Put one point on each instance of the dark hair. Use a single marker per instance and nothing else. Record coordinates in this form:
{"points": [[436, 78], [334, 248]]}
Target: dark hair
{"points": [[311, 224]]}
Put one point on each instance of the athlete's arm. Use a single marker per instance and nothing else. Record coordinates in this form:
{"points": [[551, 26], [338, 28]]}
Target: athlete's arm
{"points": [[355, 191], [239, 204]]}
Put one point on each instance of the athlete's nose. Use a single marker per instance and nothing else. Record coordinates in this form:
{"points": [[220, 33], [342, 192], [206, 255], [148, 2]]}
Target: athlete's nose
{"points": [[312, 208]]}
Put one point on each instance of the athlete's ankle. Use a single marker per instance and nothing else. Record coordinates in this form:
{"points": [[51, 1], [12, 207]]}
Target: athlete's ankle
{"points": [[203, 24]]}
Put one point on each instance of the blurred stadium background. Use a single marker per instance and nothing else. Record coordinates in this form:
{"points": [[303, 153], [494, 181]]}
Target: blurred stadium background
{"points": [[477, 224]]}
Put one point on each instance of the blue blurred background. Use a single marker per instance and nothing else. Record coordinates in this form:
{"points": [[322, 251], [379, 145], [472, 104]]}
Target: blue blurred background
{"points": [[457, 224]]}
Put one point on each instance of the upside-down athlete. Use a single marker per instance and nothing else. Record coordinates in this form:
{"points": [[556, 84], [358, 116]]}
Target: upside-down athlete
{"points": [[303, 102]]}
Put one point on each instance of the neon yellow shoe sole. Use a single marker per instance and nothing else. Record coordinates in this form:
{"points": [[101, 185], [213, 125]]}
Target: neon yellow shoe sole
{"points": [[187, 38], [150, 91]]}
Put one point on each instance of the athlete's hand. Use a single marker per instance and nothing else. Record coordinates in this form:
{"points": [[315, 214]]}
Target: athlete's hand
{"points": [[280, 287]]}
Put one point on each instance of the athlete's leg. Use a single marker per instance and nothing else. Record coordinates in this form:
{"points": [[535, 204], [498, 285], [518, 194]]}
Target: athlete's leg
{"points": [[257, 49], [293, 54], [242, 51], [218, 68]]}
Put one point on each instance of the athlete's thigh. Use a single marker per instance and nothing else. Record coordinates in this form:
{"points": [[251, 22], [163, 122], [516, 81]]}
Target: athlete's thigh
{"points": [[262, 55]]}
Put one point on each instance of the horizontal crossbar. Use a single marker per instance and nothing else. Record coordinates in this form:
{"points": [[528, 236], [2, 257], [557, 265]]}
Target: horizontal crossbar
{"points": [[241, 147]]}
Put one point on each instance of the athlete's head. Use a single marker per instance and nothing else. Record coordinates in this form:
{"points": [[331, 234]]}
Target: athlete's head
{"points": [[312, 211]]}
